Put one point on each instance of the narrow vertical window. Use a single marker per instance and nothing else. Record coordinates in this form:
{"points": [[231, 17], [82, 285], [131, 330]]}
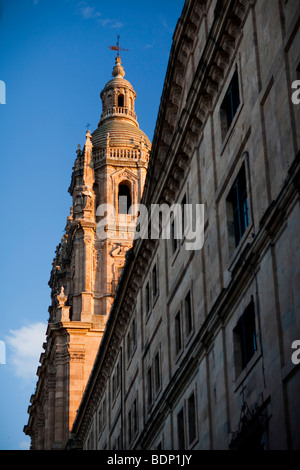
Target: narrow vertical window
{"points": [[188, 314], [100, 426], [183, 213], [192, 418], [154, 281], [180, 430], [121, 101], [157, 372], [174, 240], [245, 338], [114, 387], [238, 208], [124, 197], [118, 377], [104, 413], [129, 427], [149, 386], [147, 298], [128, 346], [230, 104], [178, 342], [133, 334], [135, 417]]}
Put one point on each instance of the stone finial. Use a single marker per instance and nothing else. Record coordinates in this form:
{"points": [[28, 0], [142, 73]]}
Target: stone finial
{"points": [[118, 70], [88, 142], [62, 298]]}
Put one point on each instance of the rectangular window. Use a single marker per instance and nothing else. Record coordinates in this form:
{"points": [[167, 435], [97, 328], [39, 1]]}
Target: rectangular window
{"points": [[128, 346], [129, 427], [183, 213], [116, 381], [114, 387], [157, 372], [192, 418], [118, 377], [154, 281], [135, 417], [238, 209], [104, 413], [245, 338], [100, 425], [230, 104], [133, 334], [147, 298], [188, 314], [180, 430], [178, 342], [149, 387], [174, 240]]}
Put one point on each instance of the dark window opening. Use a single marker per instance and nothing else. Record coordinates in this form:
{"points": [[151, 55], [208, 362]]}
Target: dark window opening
{"points": [[238, 209], [183, 214], [178, 343], [188, 313], [128, 347], [133, 334], [173, 239], [124, 198], [154, 281], [149, 387], [192, 418], [180, 430], [230, 104], [147, 299], [157, 372], [121, 101], [135, 416], [245, 341], [129, 427]]}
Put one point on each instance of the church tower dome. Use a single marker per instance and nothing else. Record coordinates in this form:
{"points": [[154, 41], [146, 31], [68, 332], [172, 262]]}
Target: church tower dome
{"points": [[118, 118]]}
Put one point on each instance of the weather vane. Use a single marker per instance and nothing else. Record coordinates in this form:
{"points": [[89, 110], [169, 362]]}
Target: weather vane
{"points": [[117, 47]]}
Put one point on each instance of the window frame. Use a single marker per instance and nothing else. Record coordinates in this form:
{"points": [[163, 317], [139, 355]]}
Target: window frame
{"points": [[230, 104], [241, 339], [238, 213]]}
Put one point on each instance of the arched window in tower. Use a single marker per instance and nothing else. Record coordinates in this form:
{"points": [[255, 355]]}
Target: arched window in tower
{"points": [[124, 197], [121, 101]]}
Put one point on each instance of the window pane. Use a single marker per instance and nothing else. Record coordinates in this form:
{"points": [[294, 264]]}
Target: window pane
{"points": [[178, 332], [149, 386], [157, 372], [192, 418], [154, 281], [180, 430], [188, 314], [147, 294]]}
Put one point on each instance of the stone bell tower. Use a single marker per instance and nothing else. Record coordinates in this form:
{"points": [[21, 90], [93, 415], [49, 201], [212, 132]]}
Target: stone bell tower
{"points": [[110, 170]]}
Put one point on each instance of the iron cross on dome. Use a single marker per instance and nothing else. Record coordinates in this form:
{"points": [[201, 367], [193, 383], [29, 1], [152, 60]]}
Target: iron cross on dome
{"points": [[117, 47]]}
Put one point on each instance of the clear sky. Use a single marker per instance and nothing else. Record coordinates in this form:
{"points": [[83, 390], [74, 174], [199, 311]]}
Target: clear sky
{"points": [[54, 61]]}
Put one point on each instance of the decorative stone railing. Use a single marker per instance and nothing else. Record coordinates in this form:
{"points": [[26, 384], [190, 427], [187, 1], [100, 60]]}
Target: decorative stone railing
{"points": [[118, 154], [118, 110]]}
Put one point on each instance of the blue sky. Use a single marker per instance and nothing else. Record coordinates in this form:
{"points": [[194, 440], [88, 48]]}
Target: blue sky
{"points": [[54, 61]]}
